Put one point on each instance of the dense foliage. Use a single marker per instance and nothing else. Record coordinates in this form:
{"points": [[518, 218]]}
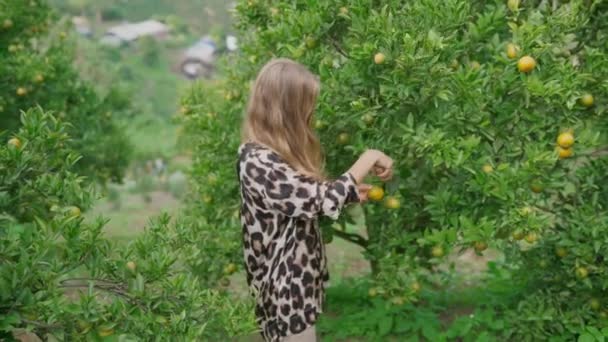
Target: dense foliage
{"points": [[61, 277], [494, 112], [36, 68]]}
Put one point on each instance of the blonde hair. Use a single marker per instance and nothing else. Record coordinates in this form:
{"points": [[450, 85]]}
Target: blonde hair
{"points": [[279, 115]]}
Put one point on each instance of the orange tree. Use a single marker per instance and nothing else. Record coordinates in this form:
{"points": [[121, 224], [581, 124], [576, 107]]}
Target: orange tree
{"points": [[60, 277], [36, 68], [493, 112]]}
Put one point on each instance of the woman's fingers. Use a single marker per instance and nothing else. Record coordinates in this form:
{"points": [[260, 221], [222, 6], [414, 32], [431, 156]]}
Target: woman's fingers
{"points": [[383, 173], [363, 191]]}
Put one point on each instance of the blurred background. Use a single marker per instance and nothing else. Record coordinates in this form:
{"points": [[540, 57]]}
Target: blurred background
{"points": [[152, 51]]}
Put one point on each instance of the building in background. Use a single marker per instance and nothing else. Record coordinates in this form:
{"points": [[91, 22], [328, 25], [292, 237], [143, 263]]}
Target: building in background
{"points": [[129, 32], [82, 26], [198, 60]]}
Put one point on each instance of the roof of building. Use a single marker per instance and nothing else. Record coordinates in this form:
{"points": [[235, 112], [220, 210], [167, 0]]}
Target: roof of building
{"points": [[132, 31]]}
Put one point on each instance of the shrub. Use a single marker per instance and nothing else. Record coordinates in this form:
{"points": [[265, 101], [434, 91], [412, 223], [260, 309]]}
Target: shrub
{"points": [[60, 277]]}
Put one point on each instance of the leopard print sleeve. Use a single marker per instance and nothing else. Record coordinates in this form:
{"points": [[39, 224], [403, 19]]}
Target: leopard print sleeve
{"points": [[295, 195]]}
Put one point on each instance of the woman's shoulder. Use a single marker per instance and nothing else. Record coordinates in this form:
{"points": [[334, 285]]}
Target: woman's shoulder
{"points": [[250, 151], [249, 148]]}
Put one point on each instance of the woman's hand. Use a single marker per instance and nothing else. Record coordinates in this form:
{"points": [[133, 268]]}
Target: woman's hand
{"points": [[372, 160], [384, 168], [363, 192]]}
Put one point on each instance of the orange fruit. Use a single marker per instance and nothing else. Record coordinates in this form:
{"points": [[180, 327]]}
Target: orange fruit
{"points": [[561, 252], [526, 64], [21, 91], [343, 138], [487, 168], [536, 187], [343, 10], [368, 119], [319, 124], [581, 272], [376, 193], [564, 152], [131, 266], [512, 50], [480, 246], [15, 142], [379, 58], [230, 269], [531, 237], [74, 211], [311, 42], [437, 251], [517, 235], [105, 332], [398, 300], [587, 100], [392, 202], [513, 5], [39, 78], [372, 292], [565, 140]]}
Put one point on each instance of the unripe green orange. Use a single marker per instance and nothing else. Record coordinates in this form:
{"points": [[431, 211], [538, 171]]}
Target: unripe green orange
{"points": [[587, 100]]}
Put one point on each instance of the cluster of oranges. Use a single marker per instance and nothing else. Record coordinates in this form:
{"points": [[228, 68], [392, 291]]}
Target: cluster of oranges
{"points": [[376, 194], [565, 141]]}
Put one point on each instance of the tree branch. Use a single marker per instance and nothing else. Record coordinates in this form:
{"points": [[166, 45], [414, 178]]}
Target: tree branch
{"points": [[354, 238], [338, 47], [41, 325]]}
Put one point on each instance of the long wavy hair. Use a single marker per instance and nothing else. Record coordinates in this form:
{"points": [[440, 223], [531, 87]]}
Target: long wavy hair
{"points": [[279, 115]]}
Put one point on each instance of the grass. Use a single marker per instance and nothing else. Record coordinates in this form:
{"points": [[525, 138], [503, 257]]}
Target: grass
{"points": [[129, 220]]}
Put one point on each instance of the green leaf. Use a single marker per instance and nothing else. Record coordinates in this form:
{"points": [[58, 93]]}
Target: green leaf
{"points": [[586, 337], [385, 325]]}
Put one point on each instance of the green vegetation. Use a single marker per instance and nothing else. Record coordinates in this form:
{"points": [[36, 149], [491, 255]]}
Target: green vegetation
{"points": [[147, 70], [472, 99], [37, 69], [495, 228]]}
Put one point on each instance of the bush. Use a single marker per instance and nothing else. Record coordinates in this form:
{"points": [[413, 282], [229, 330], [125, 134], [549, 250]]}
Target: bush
{"points": [[472, 127], [60, 277], [36, 68]]}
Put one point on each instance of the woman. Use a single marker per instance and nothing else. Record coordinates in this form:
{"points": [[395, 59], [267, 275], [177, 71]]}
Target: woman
{"points": [[283, 193]]}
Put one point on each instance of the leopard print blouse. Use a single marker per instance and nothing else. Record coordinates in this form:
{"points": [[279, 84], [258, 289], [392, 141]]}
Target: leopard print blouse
{"points": [[283, 249]]}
